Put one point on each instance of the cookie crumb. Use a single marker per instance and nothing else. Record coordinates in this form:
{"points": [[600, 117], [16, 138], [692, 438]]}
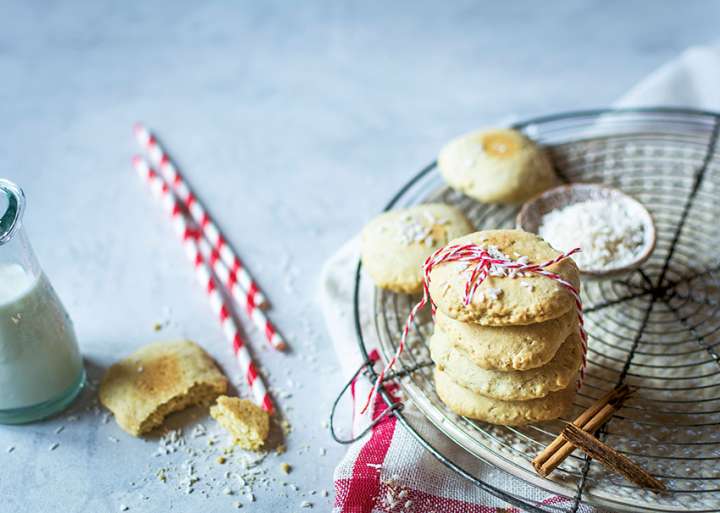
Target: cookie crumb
{"points": [[286, 468]]}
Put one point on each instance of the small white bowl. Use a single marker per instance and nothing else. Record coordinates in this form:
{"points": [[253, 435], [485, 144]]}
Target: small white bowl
{"points": [[532, 212]]}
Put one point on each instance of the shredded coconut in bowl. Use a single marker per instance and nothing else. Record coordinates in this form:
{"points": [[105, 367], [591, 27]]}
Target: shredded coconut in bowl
{"points": [[608, 233]]}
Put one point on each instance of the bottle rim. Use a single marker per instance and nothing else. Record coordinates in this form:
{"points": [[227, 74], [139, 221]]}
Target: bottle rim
{"points": [[11, 217]]}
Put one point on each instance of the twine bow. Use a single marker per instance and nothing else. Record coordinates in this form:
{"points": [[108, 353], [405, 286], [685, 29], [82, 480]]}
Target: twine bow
{"points": [[480, 265]]}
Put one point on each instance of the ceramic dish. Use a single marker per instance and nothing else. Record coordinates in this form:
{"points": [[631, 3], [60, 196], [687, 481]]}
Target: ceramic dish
{"points": [[530, 217]]}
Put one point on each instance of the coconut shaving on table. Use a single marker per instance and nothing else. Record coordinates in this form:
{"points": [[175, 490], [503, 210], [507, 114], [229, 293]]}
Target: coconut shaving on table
{"points": [[481, 262], [606, 231]]}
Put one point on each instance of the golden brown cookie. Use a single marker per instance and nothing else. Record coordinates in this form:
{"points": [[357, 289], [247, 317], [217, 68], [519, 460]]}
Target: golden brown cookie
{"points": [[159, 379], [525, 385], [509, 413], [396, 244], [248, 424], [508, 348], [496, 166], [503, 300]]}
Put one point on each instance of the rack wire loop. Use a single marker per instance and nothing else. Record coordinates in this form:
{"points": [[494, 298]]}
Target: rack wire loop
{"points": [[390, 410]]}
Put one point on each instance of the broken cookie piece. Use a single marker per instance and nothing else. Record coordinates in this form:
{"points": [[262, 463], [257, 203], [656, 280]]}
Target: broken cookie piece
{"points": [[248, 424], [159, 379]]}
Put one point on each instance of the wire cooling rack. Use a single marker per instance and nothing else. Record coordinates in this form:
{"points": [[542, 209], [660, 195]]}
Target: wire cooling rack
{"points": [[657, 329]]}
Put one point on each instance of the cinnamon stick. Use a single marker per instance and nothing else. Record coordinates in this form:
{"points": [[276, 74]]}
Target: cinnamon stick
{"points": [[590, 420], [610, 458]]}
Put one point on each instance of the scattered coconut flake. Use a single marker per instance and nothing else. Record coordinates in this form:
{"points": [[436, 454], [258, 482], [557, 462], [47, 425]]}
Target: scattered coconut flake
{"points": [[412, 231], [54, 446], [198, 431], [170, 442], [493, 293]]}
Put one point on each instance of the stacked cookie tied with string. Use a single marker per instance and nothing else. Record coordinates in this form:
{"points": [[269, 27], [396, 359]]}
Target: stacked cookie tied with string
{"points": [[510, 351]]}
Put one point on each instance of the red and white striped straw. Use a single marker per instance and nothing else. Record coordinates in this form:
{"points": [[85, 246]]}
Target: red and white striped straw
{"points": [[226, 278], [229, 280], [204, 276], [198, 212]]}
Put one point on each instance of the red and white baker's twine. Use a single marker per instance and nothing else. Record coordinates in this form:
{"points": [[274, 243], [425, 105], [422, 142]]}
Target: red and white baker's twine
{"points": [[479, 263], [199, 214], [188, 236]]}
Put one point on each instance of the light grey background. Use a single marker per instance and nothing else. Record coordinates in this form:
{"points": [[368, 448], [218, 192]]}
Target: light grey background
{"points": [[295, 123]]}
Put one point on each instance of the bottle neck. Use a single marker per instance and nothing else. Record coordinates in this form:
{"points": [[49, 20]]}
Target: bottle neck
{"points": [[15, 248], [12, 206]]}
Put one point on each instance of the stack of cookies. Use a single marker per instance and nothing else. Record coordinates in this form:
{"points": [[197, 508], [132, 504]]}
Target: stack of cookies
{"points": [[512, 355]]}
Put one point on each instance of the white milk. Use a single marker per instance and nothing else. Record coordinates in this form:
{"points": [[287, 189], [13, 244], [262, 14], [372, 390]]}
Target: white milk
{"points": [[39, 358]]}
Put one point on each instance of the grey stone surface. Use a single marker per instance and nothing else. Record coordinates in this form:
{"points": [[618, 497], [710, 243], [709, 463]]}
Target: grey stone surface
{"points": [[295, 122]]}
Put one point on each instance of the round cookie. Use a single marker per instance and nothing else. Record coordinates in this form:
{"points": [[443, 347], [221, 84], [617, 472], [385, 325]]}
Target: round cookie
{"points": [[508, 413], [558, 374], [396, 244], [496, 166], [507, 348], [502, 299]]}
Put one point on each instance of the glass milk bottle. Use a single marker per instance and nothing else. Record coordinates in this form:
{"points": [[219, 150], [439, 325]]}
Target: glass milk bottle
{"points": [[41, 369]]}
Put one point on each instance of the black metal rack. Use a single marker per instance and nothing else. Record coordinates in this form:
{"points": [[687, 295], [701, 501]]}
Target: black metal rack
{"points": [[657, 329]]}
